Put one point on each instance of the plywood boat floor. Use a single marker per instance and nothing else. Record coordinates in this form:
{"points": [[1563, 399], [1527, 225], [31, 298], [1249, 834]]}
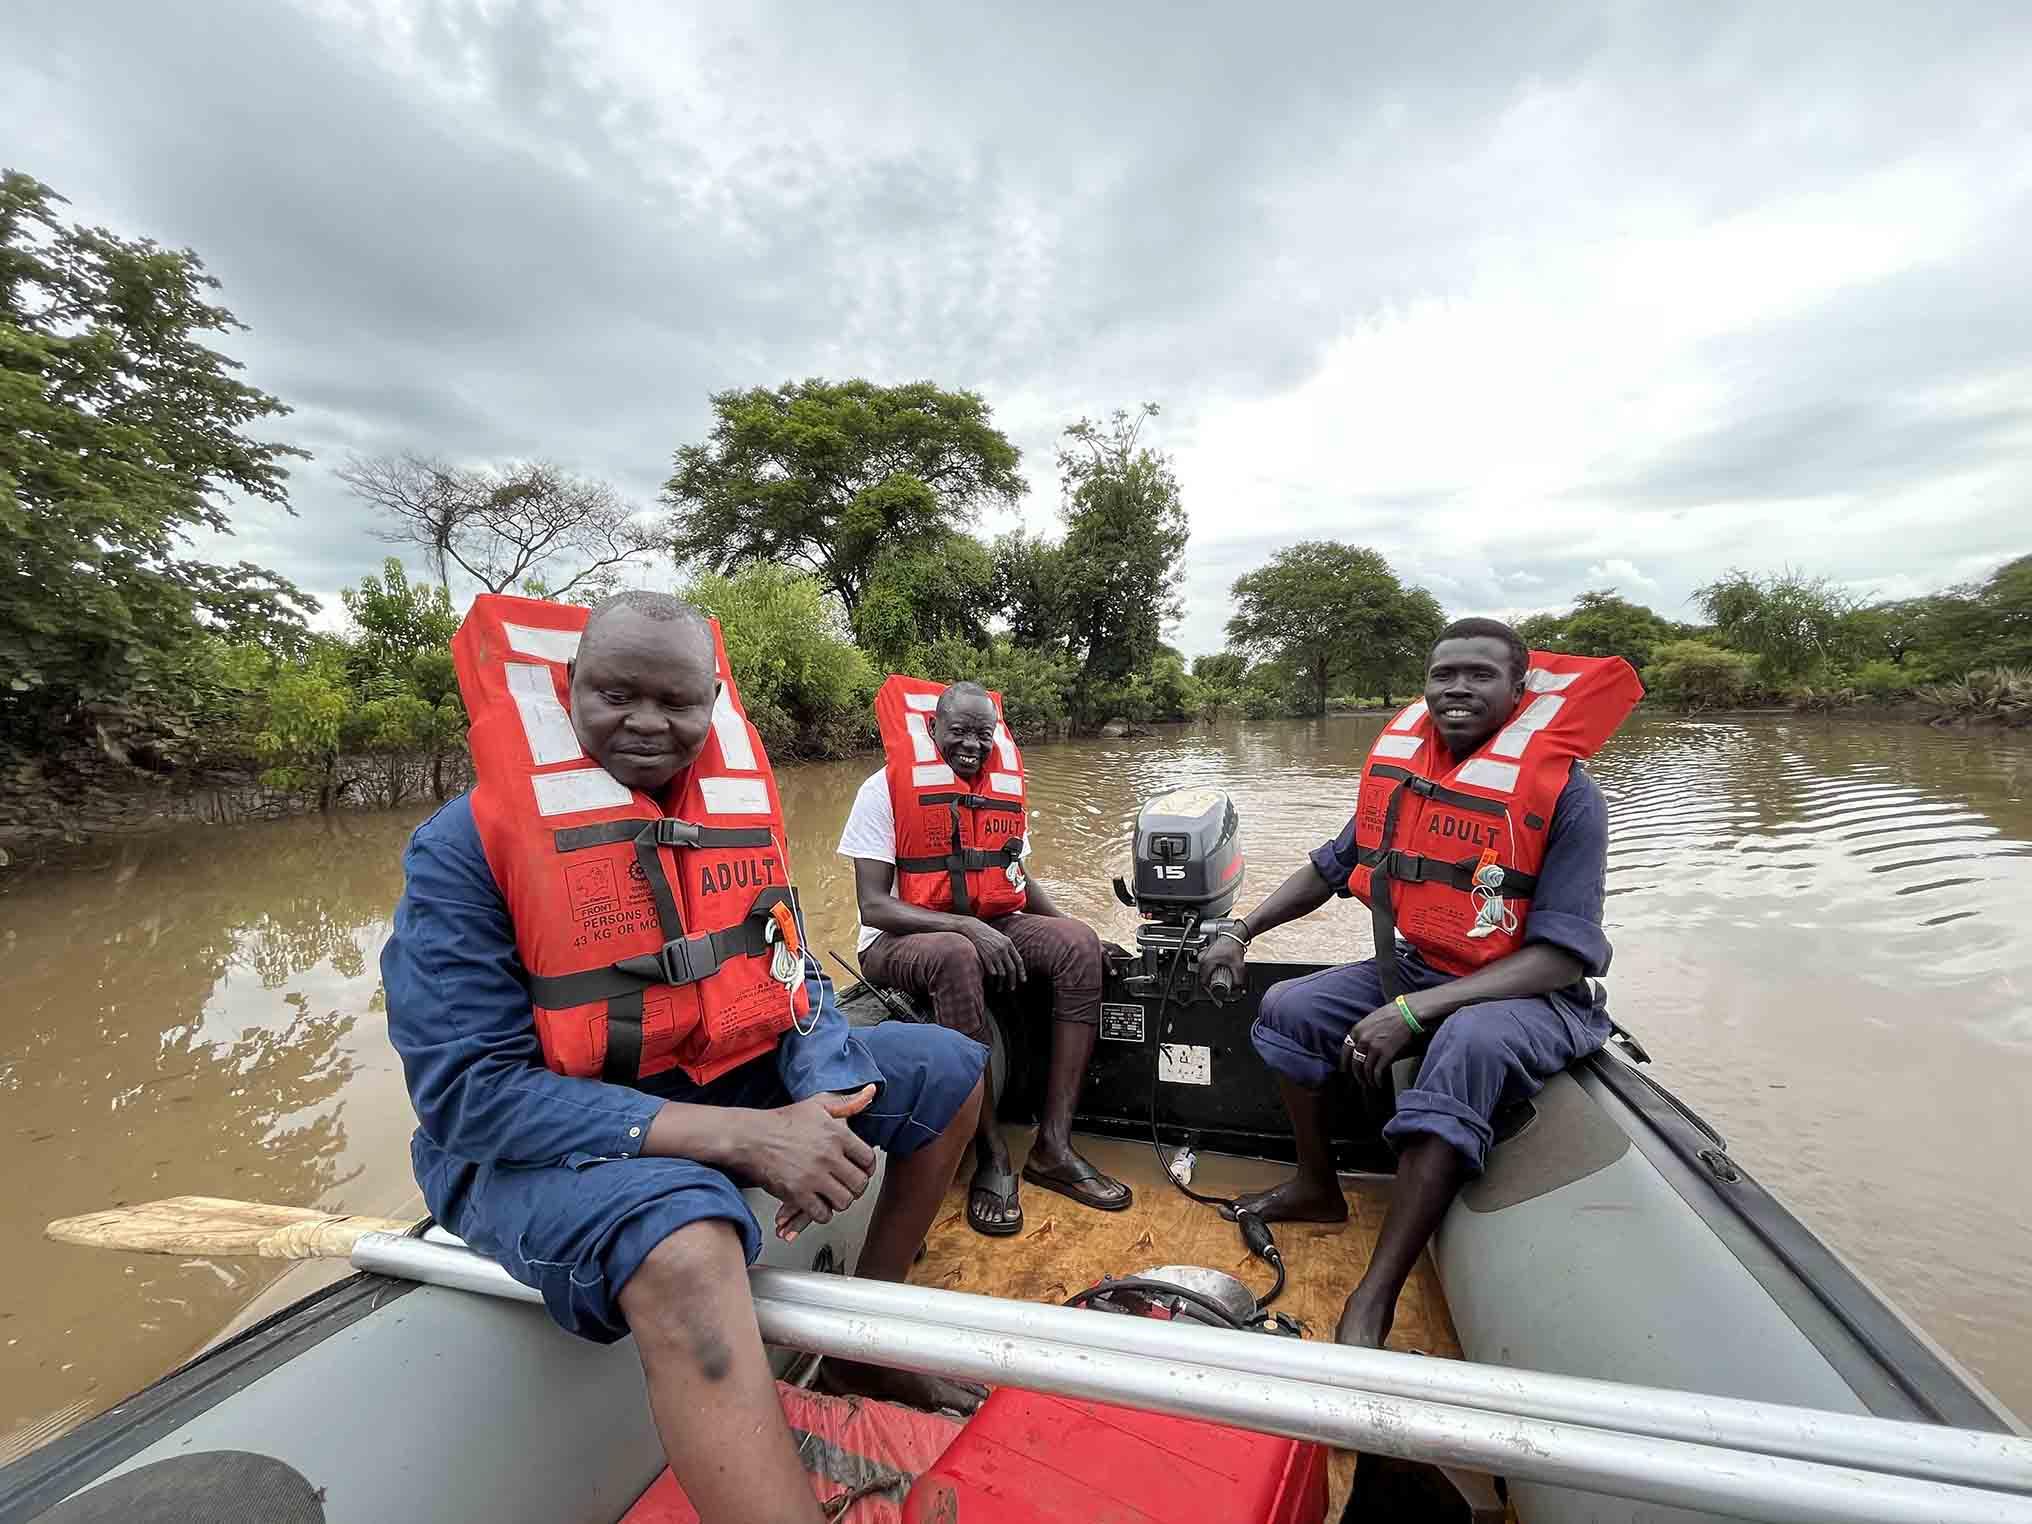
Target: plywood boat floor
{"points": [[1064, 1246]]}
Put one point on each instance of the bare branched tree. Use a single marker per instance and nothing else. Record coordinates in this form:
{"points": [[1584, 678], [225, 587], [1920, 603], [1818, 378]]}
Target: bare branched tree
{"points": [[524, 525]]}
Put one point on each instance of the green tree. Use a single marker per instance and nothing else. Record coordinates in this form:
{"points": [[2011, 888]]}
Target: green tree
{"points": [[297, 711], [1542, 632], [409, 712], [2007, 596], [923, 591], [391, 734], [1336, 614], [397, 621], [806, 686], [1029, 590], [1165, 690], [1694, 675], [1227, 668], [121, 434], [1036, 686], [826, 475], [1979, 625], [1795, 625], [1126, 533], [1890, 631], [1221, 676], [1602, 624]]}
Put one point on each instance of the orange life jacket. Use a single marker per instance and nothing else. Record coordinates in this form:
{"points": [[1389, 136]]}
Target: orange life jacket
{"points": [[959, 843], [1449, 849], [655, 932]]}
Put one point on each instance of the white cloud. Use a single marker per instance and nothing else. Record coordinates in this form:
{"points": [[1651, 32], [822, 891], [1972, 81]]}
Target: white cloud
{"points": [[1619, 573], [1617, 295]]}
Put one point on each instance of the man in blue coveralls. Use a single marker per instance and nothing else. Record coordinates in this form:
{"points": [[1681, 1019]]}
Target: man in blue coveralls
{"points": [[623, 1204], [1497, 1034]]}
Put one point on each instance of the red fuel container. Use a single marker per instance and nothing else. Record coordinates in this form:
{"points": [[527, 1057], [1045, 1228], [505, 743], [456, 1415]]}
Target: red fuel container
{"points": [[1025, 1458]]}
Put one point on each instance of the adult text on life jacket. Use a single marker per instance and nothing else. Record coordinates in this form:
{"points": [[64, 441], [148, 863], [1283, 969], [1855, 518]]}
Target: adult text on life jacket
{"points": [[1449, 849], [959, 841], [656, 932]]}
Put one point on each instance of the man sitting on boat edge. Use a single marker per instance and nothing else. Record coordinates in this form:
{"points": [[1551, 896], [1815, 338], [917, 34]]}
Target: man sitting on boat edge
{"points": [[589, 1109], [1480, 845], [938, 839]]}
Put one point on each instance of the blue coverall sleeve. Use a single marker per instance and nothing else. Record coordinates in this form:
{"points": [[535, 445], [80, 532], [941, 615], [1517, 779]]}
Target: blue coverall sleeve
{"points": [[1335, 860], [821, 1055], [1566, 907], [459, 1015]]}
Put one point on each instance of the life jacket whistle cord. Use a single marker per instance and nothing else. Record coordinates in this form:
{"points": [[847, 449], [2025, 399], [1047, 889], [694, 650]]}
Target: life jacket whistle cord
{"points": [[656, 932], [1448, 849], [959, 842]]}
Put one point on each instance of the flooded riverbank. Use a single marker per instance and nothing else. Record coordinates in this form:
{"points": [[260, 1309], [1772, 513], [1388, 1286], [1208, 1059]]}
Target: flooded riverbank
{"points": [[1818, 926]]}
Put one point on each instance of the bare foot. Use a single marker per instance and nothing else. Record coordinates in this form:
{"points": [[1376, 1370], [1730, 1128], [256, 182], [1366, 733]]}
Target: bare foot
{"points": [[1295, 1200], [1363, 1325], [847, 1378]]}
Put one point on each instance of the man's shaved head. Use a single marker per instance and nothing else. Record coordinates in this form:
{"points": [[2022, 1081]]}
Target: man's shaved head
{"points": [[958, 692], [660, 608]]}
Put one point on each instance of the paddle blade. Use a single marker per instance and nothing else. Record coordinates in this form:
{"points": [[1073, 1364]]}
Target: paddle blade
{"points": [[221, 1229]]}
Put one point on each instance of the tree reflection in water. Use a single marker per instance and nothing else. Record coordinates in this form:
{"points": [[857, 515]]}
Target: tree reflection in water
{"points": [[192, 1013]]}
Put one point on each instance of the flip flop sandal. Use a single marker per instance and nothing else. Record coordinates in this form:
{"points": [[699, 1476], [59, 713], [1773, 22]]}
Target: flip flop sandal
{"points": [[1068, 1187], [1001, 1185]]}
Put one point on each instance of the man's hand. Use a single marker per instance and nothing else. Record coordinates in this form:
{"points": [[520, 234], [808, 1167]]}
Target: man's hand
{"points": [[1220, 964], [806, 1156], [1379, 1040], [1000, 962]]}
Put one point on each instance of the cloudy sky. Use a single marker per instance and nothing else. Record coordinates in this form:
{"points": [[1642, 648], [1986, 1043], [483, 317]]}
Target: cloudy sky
{"points": [[1531, 297]]}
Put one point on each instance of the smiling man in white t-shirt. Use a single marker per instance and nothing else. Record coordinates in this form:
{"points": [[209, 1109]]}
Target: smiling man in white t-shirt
{"points": [[956, 959]]}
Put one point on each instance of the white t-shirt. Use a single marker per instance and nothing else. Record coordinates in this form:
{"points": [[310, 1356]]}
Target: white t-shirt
{"points": [[870, 832]]}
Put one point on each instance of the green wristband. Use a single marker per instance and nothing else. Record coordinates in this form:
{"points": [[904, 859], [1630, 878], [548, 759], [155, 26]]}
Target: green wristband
{"points": [[1411, 1021]]}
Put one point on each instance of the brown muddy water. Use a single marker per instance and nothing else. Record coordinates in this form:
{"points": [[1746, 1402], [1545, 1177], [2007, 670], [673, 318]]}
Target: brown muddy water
{"points": [[1821, 932]]}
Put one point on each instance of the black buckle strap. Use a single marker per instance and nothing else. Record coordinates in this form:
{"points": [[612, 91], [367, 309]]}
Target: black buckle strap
{"points": [[1411, 868], [956, 868], [977, 802], [686, 960], [1382, 920], [973, 859], [623, 1063], [668, 831], [672, 832], [680, 961]]}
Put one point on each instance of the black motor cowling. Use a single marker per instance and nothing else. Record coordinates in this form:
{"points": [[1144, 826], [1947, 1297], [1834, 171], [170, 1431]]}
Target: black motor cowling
{"points": [[1188, 855]]}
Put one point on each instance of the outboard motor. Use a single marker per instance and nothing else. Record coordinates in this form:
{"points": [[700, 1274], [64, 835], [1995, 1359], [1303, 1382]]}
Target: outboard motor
{"points": [[1186, 868]]}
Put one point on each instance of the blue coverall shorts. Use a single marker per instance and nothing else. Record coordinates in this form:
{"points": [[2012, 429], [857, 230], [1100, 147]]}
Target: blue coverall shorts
{"points": [[1479, 1058], [577, 1231]]}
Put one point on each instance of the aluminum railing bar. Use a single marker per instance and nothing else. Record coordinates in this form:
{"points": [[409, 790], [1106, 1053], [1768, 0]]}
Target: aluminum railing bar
{"points": [[1669, 1472], [1965, 1456]]}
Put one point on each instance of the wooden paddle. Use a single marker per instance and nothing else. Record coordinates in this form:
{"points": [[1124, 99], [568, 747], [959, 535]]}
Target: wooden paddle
{"points": [[219, 1228]]}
